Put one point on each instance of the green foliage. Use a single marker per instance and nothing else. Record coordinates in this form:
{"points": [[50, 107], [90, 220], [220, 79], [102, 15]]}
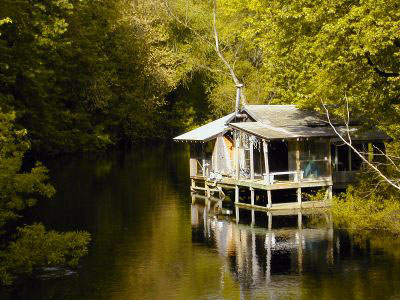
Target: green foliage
{"points": [[32, 246], [83, 75], [17, 190], [304, 52], [373, 212], [35, 247]]}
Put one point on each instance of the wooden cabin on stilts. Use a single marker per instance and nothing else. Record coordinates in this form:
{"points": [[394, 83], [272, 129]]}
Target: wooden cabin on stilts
{"points": [[266, 156]]}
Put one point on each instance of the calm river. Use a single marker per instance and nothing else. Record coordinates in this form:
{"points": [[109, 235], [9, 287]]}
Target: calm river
{"points": [[150, 241]]}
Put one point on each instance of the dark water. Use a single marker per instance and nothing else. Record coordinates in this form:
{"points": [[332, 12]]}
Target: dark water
{"points": [[149, 241]]}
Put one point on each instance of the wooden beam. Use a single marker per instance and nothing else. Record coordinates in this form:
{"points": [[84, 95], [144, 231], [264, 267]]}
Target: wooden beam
{"points": [[236, 194], [203, 160], [251, 159], [269, 221], [193, 184], [236, 153], [299, 196], [266, 162], [329, 192], [208, 192], [269, 203], [329, 160], [298, 166]]}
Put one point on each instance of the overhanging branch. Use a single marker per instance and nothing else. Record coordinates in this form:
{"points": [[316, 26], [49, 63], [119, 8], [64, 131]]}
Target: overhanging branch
{"points": [[393, 183]]}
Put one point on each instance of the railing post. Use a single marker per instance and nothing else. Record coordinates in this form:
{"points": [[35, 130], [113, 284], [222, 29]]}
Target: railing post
{"points": [[266, 162], [251, 158], [298, 166]]}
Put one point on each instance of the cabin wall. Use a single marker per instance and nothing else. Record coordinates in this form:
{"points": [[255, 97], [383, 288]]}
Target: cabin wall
{"points": [[201, 158]]}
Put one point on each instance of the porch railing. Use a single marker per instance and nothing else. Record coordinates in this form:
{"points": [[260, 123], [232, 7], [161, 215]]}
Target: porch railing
{"points": [[270, 178]]}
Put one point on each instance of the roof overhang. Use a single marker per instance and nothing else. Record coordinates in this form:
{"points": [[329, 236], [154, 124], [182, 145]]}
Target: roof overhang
{"points": [[208, 131], [269, 132]]}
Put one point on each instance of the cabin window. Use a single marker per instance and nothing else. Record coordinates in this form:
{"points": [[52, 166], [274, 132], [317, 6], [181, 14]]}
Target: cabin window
{"points": [[342, 158], [314, 159], [345, 159], [356, 161]]}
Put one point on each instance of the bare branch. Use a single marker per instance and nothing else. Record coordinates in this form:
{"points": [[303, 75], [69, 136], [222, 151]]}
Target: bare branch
{"points": [[185, 24], [348, 118], [216, 38], [349, 144], [221, 56], [387, 157]]}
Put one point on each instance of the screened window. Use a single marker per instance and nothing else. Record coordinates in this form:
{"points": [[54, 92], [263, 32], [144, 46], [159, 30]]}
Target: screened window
{"points": [[314, 159]]}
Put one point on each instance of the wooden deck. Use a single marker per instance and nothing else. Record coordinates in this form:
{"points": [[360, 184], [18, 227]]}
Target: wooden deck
{"points": [[210, 187], [260, 184]]}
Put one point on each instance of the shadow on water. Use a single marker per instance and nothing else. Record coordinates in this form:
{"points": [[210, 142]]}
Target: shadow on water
{"points": [[151, 240]]}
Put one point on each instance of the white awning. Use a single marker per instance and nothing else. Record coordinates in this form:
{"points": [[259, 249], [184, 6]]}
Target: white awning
{"points": [[208, 131]]}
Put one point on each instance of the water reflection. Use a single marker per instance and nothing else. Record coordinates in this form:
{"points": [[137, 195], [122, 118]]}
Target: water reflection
{"points": [[264, 250], [149, 242]]}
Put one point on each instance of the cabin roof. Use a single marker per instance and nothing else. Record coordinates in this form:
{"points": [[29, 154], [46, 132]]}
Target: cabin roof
{"points": [[208, 131], [271, 132], [279, 122], [284, 115]]}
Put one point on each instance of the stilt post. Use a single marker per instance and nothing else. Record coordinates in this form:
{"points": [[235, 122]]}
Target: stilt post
{"points": [[269, 221]]}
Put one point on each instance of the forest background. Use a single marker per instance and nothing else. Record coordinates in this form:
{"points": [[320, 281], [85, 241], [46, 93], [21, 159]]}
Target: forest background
{"points": [[85, 75]]}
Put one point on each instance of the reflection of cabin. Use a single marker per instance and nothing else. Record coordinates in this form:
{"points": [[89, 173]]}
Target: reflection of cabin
{"points": [[275, 147], [260, 253]]}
